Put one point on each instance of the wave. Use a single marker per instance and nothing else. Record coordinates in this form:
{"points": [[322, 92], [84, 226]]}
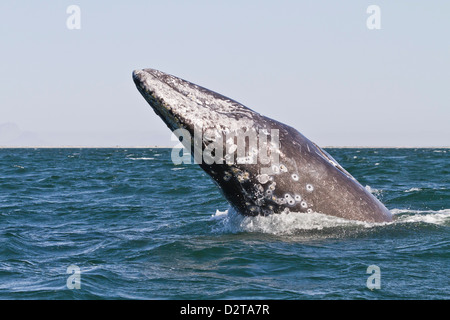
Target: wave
{"points": [[375, 192], [142, 158], [413, 190], [294, 222], [279, 224], [439, 217]]}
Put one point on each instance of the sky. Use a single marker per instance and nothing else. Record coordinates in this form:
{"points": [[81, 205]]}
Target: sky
{"points": [[314, 65]]}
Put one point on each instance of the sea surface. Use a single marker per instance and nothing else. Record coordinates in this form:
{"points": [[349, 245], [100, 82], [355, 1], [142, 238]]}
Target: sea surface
{"points": [[130, 224]]}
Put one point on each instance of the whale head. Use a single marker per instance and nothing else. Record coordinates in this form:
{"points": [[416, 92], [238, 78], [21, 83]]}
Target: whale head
{"points": [[182, 104], [262, 166]]}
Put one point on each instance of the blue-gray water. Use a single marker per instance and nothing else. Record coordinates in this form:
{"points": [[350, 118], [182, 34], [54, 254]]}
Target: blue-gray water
{"points": [[139, 227]]}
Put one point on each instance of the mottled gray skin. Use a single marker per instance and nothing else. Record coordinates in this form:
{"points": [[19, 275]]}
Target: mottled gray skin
{"points": [[307, 179]]}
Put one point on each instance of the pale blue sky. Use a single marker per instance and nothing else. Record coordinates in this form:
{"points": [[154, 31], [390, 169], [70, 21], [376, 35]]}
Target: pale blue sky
{"points": [[311, 64]]}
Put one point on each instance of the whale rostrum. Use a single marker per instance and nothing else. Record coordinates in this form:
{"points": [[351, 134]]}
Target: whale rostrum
{"points": [[262, 166]]}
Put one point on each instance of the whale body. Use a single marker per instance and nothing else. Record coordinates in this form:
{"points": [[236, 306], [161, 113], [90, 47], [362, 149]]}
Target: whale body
{"points": [[294, 175]]}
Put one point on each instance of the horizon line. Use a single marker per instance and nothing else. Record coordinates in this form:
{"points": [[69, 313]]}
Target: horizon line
{"points": [[171, 147]]}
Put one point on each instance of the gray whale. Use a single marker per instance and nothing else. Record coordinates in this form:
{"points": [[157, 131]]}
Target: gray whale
{"points": [[305, 178]]}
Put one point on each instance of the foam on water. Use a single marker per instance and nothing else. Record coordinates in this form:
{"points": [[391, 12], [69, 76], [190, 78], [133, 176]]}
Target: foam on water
{"points": [[439, 217], [293, 222], [413, 189], [373, 191], [280, 224], [142, 158]]}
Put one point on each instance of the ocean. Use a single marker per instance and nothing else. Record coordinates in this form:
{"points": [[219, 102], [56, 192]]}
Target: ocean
{"points": [[129, 224]]}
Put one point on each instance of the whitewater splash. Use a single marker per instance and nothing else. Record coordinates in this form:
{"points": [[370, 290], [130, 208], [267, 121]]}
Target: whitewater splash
{"points": [[439, 217], [294, 222], [141, 158]]}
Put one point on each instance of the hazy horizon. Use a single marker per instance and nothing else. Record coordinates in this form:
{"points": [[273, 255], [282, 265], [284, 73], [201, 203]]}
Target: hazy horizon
{"points": [[317, 67], [17, 138]]}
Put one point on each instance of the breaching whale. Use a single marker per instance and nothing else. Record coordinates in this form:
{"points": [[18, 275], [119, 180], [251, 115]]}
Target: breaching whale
{"points": [[294, 175]]}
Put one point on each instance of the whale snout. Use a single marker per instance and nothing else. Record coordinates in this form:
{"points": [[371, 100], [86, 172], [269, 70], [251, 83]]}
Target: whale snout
{"points": [[160, 91], [141, 77], [147, 79], [137, 76]]}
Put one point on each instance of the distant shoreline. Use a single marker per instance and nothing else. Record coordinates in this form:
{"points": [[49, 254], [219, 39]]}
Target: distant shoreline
{"points": [[162, 147]]}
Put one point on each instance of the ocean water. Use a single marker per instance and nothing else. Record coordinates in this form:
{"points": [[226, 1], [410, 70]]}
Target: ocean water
{"points": [[129, 224]]}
